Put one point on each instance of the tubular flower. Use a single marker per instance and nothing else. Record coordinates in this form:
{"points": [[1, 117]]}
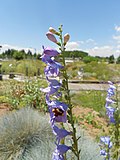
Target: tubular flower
{"points": [[59, 151], [110, 113], [60, 133], [109, 101], [51, 37], [50, 52], [51, 72], [54, 64], [106, 145], [57, 111], [111, 92], [103, 152], [111, 89], [52, 88], [106, 141], [109, 109]]}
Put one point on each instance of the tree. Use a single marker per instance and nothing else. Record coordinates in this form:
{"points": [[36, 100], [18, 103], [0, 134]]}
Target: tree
{"points": [[75, 54], [118, 60], [18, 55], [29, 54], [89, 59], [111, 59]]}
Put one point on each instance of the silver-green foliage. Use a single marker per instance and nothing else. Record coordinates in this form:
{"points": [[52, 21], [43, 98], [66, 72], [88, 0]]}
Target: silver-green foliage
{"points": [[89, 147], [26, 135], [23, 133]]}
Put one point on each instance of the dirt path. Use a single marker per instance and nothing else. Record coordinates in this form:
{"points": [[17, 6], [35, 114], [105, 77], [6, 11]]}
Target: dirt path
{"points": [[4, 108]]}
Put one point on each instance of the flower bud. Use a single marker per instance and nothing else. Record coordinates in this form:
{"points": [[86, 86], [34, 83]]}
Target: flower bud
{"points": [[52, 30], [66, 38], [51, 37]]}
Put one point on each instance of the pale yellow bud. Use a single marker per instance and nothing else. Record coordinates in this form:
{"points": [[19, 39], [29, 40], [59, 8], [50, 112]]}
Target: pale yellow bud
{"points": [[52, 30], [66, 38]]}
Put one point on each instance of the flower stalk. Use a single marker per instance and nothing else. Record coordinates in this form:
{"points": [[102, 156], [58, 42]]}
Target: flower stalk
{"points": [[68, 99], [113, 113]]}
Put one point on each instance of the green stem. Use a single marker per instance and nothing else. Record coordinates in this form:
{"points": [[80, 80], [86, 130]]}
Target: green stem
{"points": [[116, 129], [70, 114]]}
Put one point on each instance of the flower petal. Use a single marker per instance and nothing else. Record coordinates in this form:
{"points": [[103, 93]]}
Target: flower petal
{"points": [[49, 71], [50, 52]]}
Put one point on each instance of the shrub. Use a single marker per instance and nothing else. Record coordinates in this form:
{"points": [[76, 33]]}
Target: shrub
{"points": [[25, 131]]}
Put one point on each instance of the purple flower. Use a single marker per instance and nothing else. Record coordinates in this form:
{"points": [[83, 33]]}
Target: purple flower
{"points": [[49, 90], [46, 58], [110, 113], [50, 52], [60, 133], [106, 145], [54, 64], [57, 156], [106, 141], [52, 88], [50, 71], [110, 83], [103, 152], [57, 110], [56, 104], [112, 86], [57, 95], [111, 92], [111, 89], [57, 115], [59, 151], [109, 101], [54, 83]]}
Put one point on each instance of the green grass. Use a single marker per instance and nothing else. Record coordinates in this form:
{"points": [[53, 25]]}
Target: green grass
{"points": [[95, 71], [90, 99], [20, 66], [91, 71]]}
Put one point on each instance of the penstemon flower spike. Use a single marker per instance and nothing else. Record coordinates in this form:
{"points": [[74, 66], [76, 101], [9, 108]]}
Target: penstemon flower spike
{"points": [[59, 111], [112, 149]]}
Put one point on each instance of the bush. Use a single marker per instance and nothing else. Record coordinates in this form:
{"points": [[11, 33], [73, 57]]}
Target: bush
{"points": [[27, 94], [24, 132]]}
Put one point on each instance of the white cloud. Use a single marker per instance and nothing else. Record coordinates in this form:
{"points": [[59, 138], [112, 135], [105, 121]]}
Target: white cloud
{"points": [[116, 38], [73, 46], [91, 41], [118, 47], [101, 51], [117, 28], [80, 44]]}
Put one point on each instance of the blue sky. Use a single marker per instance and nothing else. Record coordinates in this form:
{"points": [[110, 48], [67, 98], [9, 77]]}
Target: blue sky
{"points": [[94, 25]]}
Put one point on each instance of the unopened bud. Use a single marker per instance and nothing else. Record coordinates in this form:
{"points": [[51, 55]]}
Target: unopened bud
{"points": [[66, 38], [51, 37], [52, 30]]}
